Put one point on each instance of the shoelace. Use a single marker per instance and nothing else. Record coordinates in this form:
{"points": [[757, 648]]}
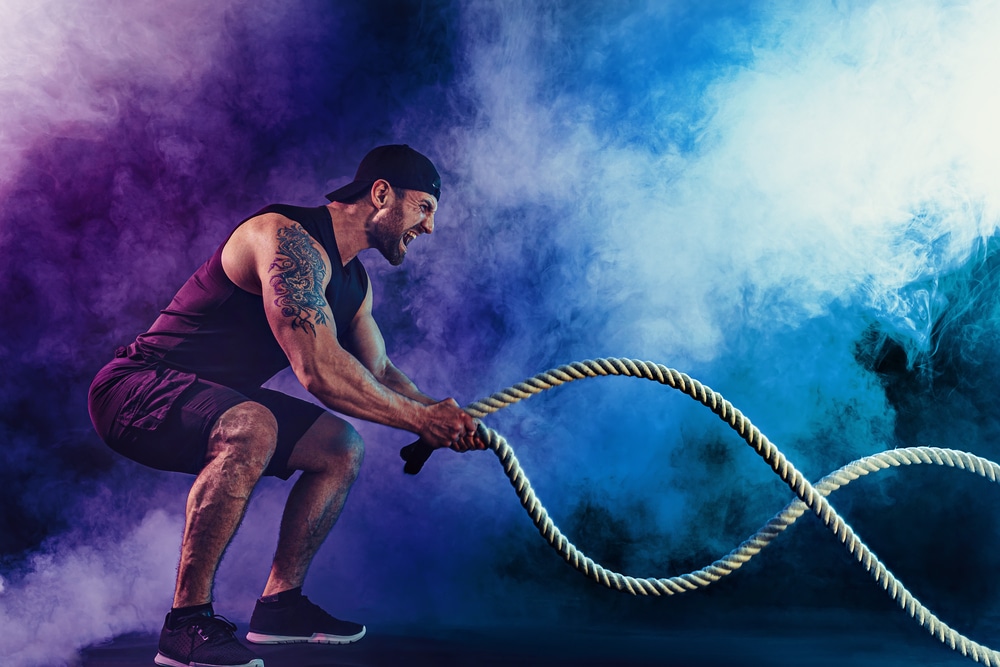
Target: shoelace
{"points": [[207, 628]]}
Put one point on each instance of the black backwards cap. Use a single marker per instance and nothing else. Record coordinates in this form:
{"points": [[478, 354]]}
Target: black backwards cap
{"points": [[399, 164]]}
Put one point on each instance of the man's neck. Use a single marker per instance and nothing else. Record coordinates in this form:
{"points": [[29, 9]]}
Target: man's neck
{"points": [[349, 229]]}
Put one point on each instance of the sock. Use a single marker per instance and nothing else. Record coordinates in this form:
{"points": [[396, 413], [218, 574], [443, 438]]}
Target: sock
{"points": [[179, 614], [284, 598]]}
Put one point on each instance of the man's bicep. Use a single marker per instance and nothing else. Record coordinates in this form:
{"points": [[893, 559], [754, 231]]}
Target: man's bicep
{"points": [[294, 273], [294, 282]]}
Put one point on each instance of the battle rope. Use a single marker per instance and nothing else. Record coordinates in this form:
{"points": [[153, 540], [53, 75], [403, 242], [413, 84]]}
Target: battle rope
{"points": [[809, 496]]}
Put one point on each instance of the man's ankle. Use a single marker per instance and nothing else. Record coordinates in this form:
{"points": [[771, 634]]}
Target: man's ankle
{"points": [[179, 614], [284, 598]]}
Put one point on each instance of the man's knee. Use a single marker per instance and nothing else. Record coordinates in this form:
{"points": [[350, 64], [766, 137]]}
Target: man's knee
{"points": [[246, 433], [330, 446], [353, 451], [343, 453]]}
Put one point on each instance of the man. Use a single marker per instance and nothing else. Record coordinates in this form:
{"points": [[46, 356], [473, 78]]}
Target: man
{"points": [[286, 288]]}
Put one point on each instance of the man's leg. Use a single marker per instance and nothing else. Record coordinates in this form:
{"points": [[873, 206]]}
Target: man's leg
{"points": [[240, 445], [239, 448], [330, 455]]}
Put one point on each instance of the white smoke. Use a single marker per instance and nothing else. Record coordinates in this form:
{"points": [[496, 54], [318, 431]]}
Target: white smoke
{"points": [[853, 154], [75, 593], [60, 61]]}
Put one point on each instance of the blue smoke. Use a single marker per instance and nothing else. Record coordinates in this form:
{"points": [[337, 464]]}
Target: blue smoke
{"points": [[795, 205]]}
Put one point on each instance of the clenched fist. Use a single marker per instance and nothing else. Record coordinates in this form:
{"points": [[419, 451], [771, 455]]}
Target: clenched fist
{"points": [[448, 425]]}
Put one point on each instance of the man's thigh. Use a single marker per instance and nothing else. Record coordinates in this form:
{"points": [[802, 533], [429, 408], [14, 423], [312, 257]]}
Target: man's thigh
{"points": [[179, 442], [159, 418], [197, 416]]}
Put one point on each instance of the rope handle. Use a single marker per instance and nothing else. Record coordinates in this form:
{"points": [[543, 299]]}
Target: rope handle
{"points": [[416, 453]]}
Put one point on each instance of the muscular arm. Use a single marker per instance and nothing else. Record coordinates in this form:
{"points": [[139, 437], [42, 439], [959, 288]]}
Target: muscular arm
{"points": [[275, 257], [366, 343]]}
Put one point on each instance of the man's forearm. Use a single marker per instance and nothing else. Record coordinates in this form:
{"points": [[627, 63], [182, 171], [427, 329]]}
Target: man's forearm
{"points": [[344, 385], [397, 381]]}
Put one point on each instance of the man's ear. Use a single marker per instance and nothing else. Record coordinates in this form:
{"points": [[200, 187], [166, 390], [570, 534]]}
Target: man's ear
{"points": [[381, 193]]}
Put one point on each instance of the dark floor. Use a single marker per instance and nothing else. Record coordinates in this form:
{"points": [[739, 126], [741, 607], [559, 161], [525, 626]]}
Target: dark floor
{"points": [[796, 640]]}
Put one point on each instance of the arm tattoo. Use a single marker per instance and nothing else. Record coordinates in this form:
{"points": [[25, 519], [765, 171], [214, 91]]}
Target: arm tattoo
{"points": [[298, 279]]}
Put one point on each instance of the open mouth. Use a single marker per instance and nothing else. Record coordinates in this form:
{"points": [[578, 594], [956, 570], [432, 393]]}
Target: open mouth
{"points": [[408, 237]]}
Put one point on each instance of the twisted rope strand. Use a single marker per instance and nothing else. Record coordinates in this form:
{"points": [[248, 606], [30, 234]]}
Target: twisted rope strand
{"points": [[808, 496]]}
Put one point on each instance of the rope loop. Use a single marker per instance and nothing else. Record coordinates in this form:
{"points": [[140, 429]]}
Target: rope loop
{"points": [[808, 496]]}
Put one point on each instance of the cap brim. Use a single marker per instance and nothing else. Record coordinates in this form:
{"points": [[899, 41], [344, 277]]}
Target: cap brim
{"points": [[349, 191]]}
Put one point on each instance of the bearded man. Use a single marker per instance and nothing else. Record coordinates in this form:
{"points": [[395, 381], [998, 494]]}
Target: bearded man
{"points": [[285, 289]]}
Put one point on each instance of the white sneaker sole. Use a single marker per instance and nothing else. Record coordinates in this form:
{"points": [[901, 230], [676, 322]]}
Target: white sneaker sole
{"points": [[316, 638], [164, 661]]}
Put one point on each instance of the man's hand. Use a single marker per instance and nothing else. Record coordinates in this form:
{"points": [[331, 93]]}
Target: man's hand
{"points": [[470, 441], [447, 425], [417, 453]]}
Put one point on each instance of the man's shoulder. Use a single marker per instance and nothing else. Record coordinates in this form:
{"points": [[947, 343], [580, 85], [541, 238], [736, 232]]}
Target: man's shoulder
{"points": [[287, 210], [271, 219], [281, 214], [273, 229]]}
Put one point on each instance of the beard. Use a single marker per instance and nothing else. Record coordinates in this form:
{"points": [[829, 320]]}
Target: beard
{"points": [[387, 235]]}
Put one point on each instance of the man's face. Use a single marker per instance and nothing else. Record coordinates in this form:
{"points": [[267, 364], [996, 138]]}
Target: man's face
{"points": [[396, 225]]}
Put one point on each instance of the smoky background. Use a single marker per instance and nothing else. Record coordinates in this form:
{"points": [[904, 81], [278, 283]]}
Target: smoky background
{"points": [[795, 205]]}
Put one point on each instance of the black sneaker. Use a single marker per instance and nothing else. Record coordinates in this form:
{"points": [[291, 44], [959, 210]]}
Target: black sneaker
{"points": [[299, 622], [203, 641]]}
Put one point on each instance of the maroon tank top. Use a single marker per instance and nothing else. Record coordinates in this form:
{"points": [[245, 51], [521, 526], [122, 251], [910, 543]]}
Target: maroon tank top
{"points": [[218, 331]]}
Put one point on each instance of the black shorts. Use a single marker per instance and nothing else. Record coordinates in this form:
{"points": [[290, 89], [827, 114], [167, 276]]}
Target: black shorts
{"points": [[162, 418]]}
